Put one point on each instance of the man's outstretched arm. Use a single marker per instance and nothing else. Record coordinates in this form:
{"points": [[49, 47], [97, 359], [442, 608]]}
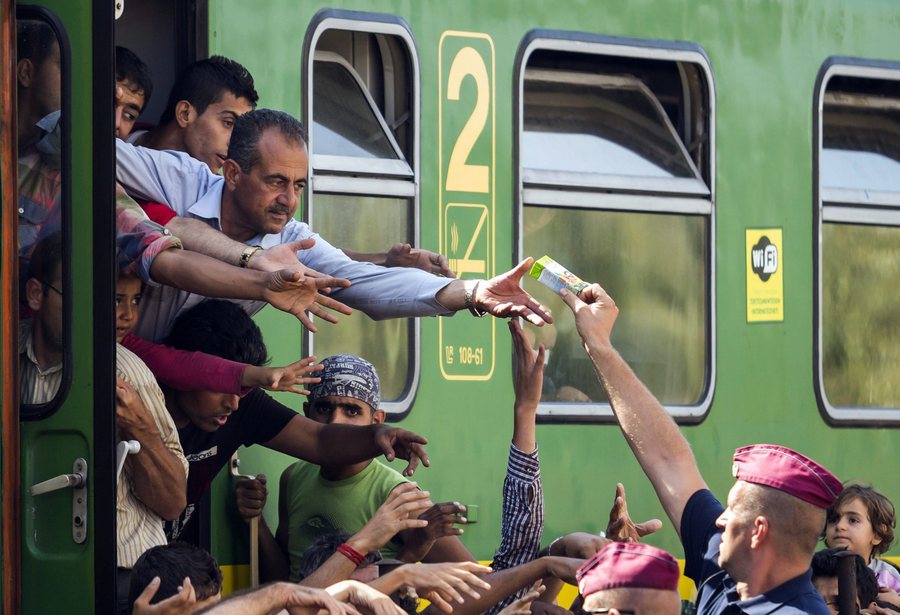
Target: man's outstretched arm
{"points": [[653, 436]]}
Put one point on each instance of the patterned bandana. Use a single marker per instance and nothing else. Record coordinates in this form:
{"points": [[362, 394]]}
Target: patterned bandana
{"points": [[346, 375]]}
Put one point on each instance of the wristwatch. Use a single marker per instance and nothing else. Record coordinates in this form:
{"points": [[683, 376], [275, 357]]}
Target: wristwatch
{"points": [[247, 254], [470, 299]]}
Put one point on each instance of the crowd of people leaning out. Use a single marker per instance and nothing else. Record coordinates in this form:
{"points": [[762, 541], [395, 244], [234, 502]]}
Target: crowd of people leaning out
{"points": [[205, 205]]}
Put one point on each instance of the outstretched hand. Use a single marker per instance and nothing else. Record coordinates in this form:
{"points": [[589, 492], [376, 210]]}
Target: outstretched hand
{"points": [[621, 528], [404, 255], [292, 292], [288, 379], [595, 313], [502, 296], [395, 442]]}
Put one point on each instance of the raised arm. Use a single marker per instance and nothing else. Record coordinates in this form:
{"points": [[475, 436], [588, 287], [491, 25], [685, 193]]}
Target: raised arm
{"points": [[653, 436]]}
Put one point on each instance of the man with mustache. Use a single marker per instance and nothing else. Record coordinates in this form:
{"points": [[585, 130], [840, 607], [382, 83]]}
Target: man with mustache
{"points": [[254, 201]]}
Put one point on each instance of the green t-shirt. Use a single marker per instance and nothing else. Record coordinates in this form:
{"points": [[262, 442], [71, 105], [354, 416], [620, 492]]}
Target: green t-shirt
{"points": [[316, 505]]}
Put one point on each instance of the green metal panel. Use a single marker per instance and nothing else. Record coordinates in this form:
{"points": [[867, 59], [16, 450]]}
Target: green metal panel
{"points": [[50, 445], [765, 56]]}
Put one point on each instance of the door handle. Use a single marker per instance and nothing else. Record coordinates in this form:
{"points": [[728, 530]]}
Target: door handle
{"points": [[58, 482], [77, 480]]}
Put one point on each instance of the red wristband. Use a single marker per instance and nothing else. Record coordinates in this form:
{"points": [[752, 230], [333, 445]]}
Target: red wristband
{"points": [[351, 554]]}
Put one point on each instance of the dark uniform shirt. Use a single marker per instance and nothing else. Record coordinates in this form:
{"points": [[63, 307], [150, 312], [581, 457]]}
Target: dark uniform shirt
{"points": [[716, 591]]}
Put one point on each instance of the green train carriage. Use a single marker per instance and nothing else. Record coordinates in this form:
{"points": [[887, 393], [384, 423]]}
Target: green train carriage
{"points": [[728, 171]]}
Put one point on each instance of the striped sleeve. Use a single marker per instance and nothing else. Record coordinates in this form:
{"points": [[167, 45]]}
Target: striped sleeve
{"points": [[523, 516]]}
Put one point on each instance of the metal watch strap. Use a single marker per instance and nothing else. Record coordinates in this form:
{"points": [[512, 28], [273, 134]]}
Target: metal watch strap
{"points": [[247, 254], [470, 300]]}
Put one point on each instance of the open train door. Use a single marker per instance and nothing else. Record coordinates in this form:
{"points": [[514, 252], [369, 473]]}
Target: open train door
{"points": [[58, 413]]}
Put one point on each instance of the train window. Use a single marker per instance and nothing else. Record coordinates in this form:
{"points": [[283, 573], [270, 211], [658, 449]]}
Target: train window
{"points": [[858, 241], [616, 178], [362, 96], [42, 106]]}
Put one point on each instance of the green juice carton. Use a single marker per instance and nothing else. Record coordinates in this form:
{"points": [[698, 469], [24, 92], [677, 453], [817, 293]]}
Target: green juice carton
{"points": [[556, 277]]}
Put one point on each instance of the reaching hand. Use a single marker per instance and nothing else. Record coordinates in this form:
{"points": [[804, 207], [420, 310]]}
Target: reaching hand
{"points": [[404, 255], [398, 513], [302, 600], [369, 599], [446, 582], [595, 313], [503, 297], [292, 292], [181, 603], [441, 519], [287, 379], [528, 376], [251, 494], [395, 442], [621, 528], [522, 606], [282, 256]]}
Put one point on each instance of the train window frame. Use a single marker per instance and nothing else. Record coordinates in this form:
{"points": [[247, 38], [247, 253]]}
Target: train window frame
{"points": [[845, 207], [37, 412], [339, 175], [612, 196]]}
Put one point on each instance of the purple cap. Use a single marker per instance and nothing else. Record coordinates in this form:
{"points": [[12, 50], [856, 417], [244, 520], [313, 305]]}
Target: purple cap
{"points": [[628, 564], [786, 470], [346, 375]]}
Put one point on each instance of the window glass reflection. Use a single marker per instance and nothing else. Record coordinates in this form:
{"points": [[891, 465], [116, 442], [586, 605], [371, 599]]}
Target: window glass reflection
{"points": [[653, 265], [378, 223], [40, 211], [599, 124], [861, 333], [344, 122]]}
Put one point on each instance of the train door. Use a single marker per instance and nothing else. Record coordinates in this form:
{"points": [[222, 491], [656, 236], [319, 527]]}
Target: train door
{"points": [[62, 85]]}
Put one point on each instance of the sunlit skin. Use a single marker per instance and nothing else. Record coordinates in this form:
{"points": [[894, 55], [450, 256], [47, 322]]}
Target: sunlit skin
{"points": [[128, 301], [129, 104], [737, 529], [849, 526], [206, 136], [339, 410], [262, 199]]}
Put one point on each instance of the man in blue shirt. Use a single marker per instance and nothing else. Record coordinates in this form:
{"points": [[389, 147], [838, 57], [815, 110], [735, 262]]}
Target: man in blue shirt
{"points": [[253, 203], [752, 556]]}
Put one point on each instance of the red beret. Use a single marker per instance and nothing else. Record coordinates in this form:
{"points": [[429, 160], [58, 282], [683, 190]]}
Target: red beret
{"points": [[628, 564], [786, 470]]}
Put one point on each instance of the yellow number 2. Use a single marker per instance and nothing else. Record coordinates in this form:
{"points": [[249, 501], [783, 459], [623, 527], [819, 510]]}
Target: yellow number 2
{"points": [[461, 176]]}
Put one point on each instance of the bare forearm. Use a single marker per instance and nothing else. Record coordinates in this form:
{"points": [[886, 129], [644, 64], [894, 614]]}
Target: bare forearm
{"points": [[335, 569], [652, 434], [273, 563], [503, 583], [159, 477], [524, 430], [453, 295], [198, 236], [198, 273]]}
